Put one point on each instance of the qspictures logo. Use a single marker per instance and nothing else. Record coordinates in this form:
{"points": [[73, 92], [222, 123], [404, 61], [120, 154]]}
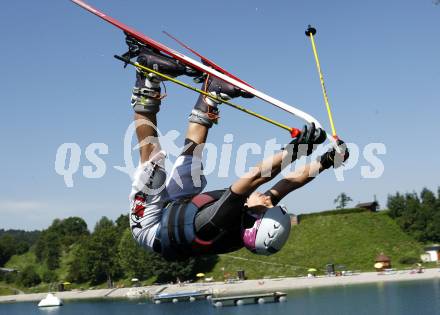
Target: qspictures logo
{"points": [[72, 160]]}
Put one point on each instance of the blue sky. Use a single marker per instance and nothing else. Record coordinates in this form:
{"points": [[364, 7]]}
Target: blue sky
{"points": [[59, 84]]}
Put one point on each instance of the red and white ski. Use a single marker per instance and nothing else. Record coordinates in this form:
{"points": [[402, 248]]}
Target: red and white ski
{"points": [[204, 59], [200, 66]]}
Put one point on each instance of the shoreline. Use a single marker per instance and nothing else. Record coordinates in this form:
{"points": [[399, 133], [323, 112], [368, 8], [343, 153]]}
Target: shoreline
{"points": [[237, 287]]}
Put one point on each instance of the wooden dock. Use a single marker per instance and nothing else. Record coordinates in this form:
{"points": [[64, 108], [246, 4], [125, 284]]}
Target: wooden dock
{"points": [[261, 298], [188, 296]]}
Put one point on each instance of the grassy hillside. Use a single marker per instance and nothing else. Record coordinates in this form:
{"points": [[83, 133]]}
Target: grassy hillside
{"points": [[353, 240], [20, 262]]}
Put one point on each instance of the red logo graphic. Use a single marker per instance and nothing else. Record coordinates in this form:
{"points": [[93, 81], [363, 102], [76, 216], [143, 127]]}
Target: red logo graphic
{"points": [[139, 206]]}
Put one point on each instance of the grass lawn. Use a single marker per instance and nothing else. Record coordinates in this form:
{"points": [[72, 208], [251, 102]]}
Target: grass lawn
{"points": [[6, 291]]}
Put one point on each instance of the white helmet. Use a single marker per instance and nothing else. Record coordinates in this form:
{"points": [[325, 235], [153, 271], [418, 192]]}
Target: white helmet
{"points": [[269, 232]]}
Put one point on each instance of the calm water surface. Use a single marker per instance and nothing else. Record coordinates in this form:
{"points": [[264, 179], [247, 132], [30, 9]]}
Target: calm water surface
{"points": [[403, 298]]}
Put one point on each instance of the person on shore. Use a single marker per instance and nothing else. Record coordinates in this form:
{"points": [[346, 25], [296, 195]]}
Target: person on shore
{"points": [[172, 215]]}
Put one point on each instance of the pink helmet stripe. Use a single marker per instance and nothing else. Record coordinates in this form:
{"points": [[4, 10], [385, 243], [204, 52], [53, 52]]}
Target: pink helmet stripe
{"points": [[250, 235]]}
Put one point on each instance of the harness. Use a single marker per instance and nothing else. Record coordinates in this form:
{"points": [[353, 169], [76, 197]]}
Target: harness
{"points": [[177, 235]]}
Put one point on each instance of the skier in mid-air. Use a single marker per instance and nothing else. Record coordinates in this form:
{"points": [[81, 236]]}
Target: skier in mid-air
{"points": [[173, 216]]}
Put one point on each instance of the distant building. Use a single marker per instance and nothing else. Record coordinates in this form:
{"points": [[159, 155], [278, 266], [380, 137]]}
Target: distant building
{"points": [[432, 254], [293, 219], [372, 206], [383, 261]]}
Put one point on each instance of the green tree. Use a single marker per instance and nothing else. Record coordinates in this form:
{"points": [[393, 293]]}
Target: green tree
{"points": [[171, 271], [135, 261], [96, 255], [21, 247], [7, 248], [342, 200], [419, 216], [102, 252], [11, 277], [29, 277], [396, 205], [52, 250], [122, 223], [71, 229], [48, 248], [428, 198], [49, 276], [78, 269], [60, 235], [40, 247], [433, 228]]}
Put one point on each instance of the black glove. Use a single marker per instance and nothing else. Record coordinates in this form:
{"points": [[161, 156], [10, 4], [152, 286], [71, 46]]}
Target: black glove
{"points": [[307, 140], [311, 135], [334, 158]]}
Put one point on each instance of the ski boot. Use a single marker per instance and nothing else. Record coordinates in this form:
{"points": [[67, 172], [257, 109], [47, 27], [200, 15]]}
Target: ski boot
{"points": [[205, 111], [147, 96]]}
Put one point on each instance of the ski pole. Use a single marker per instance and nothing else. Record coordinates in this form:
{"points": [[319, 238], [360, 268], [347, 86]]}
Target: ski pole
{"points": [[294, 132], [310, 32]]}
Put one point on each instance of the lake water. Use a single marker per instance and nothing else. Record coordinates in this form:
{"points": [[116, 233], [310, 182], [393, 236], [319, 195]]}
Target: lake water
{"points": [[402, 298]]}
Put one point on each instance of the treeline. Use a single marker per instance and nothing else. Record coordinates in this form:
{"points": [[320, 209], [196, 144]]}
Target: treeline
{"points": [[15, 242], [107, 254], [418, 215]]}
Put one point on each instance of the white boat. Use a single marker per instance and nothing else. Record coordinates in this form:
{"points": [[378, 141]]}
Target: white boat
{"points": [[50, 300]]}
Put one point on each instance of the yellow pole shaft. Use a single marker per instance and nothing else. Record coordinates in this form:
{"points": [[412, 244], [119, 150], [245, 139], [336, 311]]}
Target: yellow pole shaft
{"points": [[324, 91], [240, 108]]}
